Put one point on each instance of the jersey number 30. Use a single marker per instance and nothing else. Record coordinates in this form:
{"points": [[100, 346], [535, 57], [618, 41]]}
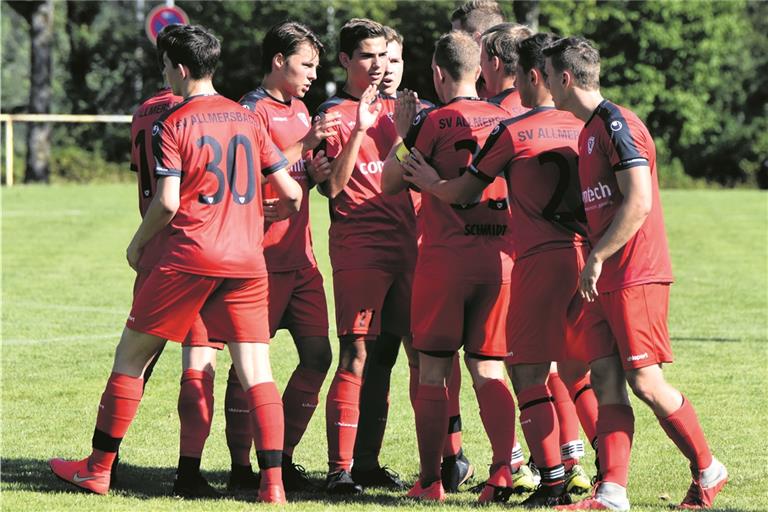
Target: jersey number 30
{"points": [[231, 177]]}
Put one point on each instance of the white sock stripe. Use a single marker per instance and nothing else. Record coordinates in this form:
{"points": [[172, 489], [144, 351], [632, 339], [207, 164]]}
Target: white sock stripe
{"points": [[552, 474], [572, 449]]}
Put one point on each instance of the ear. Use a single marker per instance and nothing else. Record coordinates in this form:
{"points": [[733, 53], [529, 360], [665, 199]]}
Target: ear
{"points": [[344, 59], [478, 72], [566, 79], [183, 71], [535, 77], [440, 74], [278, 61], [496, 63]]}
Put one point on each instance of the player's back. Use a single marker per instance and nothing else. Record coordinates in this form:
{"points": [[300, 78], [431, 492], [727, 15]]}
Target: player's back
{"points": [[509, 100], [287, 243], [457, 236], [538, 154], [220, 151], [143, 164]]}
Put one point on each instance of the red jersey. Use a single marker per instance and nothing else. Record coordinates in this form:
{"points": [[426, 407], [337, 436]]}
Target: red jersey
{"points": [[142, 163], [220, 151], [287, 243], [368, 229], [509, 100], [538, 154], [613, 140], [473, 239]]}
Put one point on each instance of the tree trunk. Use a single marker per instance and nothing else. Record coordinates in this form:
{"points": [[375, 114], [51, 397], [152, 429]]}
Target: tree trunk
{"points": [[527, 13], [39, 15]]}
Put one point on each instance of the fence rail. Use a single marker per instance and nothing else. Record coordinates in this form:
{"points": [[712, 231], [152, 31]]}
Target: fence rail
{"points": [[9, 119]]}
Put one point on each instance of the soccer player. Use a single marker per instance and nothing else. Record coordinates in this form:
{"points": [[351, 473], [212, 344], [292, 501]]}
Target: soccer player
{"points": [[456, 300], [372, 249], [290, 56], [498, 62], [625, 281], [212, 264], [456, 468]]}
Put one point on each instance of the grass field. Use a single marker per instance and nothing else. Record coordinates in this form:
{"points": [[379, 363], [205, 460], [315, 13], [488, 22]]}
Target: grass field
{"points": [[66, 291]]}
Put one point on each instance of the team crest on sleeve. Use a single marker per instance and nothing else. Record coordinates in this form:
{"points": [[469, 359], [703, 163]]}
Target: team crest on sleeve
{"points": [[590, 144], [303, 118], [155, 129], [246, 106], [616, 126], [496, 130]]}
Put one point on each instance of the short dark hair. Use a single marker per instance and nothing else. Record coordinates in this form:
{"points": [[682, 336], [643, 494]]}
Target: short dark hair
{"points": [[501, 41], [192, 46], [456, 53], [392, 35], [580, 57], [477, 15], [286, 38], [356, 30], [530, 51]]}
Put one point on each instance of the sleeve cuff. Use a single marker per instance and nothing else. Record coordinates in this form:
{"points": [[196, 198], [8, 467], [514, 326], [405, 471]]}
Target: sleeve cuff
{"points": [[474, 171], [632, 162], [270, 169], [164, 171]]}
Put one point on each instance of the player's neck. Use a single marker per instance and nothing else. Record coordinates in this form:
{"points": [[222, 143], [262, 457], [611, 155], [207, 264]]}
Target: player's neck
{"points": [[353, 89], [197, 87], [271, 85], [460, 90], [585, 102], [500, 85]]}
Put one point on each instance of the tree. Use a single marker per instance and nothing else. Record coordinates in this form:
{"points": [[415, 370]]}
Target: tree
{"points": [[39, 16]]}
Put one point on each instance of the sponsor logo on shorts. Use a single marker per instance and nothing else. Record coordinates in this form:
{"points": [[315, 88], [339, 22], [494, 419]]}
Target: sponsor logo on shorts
{"points": [[638, 357], [238, 411], [342, 424], [307, 405]]}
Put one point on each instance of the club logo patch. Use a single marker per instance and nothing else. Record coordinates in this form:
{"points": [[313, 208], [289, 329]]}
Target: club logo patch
{"points": [[155, 129], [616, 126], [496, 130], [590, 144], [303, 118]]}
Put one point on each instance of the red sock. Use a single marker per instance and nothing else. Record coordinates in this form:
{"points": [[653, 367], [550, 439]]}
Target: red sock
{"points": [[195, 411], [453, 441], [238, 429], [497, 410], [615, 428], [266, 411], [684, 429], [117, 409], [431, 411], [540, 426], [566, 417], [583, 396], [342, 412], [300, 400]]}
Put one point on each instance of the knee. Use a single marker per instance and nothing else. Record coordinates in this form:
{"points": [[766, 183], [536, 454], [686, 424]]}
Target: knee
{"points": [[525, 376], [315, 353], [642, 386]]}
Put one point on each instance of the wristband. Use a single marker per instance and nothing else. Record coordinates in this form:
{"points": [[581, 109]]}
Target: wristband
{"points": [[402, 152]]}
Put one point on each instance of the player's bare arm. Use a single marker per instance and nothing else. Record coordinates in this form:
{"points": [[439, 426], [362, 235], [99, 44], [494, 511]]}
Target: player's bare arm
{"points": [[342, 166], [635, 185], [161, 210], [288, 191], [462, 190]]}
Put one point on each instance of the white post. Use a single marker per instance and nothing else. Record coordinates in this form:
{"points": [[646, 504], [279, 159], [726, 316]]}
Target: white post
{"points": [[9, 153]]}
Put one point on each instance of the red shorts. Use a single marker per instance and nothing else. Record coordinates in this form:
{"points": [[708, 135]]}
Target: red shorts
{"points": [[448, 313], [631, 321], [168, 303], [545, 308], [369, 301], [297, 303], [198, 334]]}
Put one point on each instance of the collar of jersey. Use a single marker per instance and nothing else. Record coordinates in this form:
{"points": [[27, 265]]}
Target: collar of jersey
{"points": [[201, 95], [467, 98], [597, 109], [286, 103], [346, 96]]}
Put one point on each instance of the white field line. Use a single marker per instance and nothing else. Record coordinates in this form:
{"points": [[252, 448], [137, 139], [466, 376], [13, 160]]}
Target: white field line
{"points": [[22, 341]]}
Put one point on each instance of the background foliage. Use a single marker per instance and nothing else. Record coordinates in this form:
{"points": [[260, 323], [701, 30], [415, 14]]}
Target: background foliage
{"points": [[696, 71]]}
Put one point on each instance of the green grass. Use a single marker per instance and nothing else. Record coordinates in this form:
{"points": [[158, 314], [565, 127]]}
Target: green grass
{"points": [[67, 290]]}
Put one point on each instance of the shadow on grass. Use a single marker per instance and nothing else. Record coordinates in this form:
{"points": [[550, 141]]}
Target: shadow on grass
{"points": [[31, 475]]}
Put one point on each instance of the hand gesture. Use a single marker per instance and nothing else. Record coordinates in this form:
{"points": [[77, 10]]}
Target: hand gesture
{"points": [[275, 211], [406, 108], [418, 172], [369, 108], [323, 126], [588, 278], [319, 168]]}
